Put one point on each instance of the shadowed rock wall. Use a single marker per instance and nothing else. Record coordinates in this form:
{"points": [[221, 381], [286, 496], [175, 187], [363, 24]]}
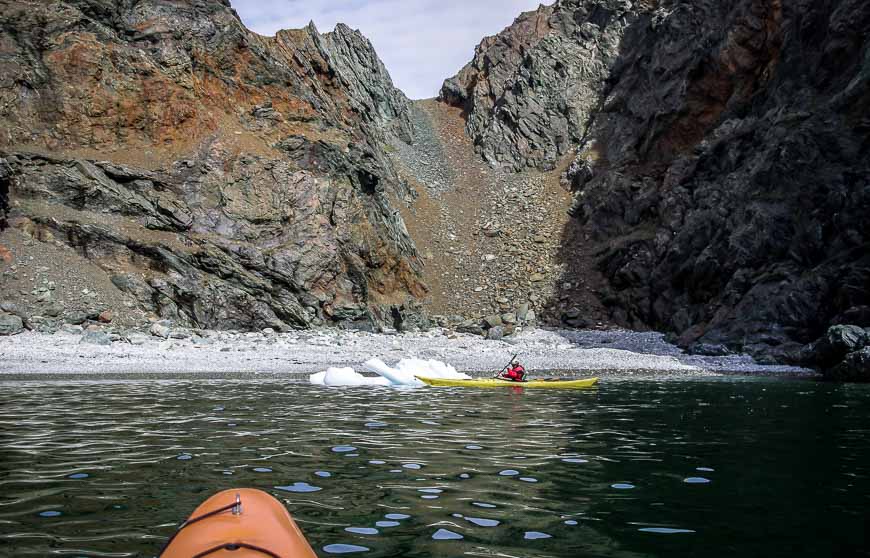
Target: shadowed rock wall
{"points": [[721, 173]]}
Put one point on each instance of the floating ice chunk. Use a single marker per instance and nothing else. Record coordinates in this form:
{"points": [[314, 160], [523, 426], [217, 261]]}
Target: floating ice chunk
{"points": [[402, 374], [404, 371], [345, 377], [395, 375]]}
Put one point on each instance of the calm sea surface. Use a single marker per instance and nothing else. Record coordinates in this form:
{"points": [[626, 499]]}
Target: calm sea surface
{"points": [[728, 467]]}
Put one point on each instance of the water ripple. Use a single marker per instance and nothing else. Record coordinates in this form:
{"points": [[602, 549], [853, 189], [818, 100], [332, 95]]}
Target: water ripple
{"points": [[110, 468]]}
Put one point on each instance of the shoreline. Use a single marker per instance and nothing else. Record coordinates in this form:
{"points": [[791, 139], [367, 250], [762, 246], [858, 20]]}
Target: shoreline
{"points": [[295, 355]]}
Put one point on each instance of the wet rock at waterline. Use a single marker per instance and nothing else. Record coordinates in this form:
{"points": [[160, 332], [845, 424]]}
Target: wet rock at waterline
{"points": [[855, 367], [843, 354], [837, 342]]}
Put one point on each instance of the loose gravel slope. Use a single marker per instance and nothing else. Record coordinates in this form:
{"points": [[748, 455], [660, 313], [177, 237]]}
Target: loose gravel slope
{"points": [[489, 237]]}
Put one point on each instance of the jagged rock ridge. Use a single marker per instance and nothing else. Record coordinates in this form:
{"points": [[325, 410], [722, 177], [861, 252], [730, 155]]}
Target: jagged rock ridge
{"points": [[222, 179], [531, 90], [720, 156]]}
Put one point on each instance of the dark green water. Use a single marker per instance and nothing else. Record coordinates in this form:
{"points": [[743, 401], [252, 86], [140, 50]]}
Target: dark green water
{"points": [[681, 468]]}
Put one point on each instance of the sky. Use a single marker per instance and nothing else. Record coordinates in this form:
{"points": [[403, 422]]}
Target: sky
{"points": [[422, 42]]}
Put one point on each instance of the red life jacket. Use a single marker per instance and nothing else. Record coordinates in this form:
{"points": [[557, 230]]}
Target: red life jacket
{"points": [[516, 373]]}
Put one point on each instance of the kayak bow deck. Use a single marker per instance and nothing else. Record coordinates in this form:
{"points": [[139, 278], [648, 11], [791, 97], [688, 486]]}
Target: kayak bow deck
{"points": [[242, 523], [493, 382]]}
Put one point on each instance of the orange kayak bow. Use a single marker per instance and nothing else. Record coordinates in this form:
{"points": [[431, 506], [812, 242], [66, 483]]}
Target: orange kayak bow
{"points": [[239, 523]]}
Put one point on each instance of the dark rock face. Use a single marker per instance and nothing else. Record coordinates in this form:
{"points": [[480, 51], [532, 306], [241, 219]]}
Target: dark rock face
{"points": [[223, 179], [854, 368], [5, 183], [721, 172], [838, 341], [843, 354]]}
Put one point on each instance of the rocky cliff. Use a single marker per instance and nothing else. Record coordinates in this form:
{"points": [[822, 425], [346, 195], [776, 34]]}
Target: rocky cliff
{"points": [[531, 91], [216, 177], [719, 157]]}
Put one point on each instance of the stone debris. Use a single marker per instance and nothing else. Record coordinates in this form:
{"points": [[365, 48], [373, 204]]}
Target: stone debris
{"points": [[294, 355], [496, 232]]}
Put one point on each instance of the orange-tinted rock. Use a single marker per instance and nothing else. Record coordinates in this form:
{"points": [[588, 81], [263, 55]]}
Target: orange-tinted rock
{"points": [[226, 179]]}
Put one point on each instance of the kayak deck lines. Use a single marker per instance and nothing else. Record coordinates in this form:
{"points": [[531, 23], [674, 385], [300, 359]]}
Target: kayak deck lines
{"points": [[239, 523]]}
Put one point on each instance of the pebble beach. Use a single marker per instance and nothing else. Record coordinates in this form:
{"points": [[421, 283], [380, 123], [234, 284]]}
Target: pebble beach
{"points": [[608, 354]]}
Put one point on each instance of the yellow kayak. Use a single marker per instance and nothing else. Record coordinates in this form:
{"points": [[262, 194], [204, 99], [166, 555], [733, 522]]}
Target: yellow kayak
{"points": [[492, 382]]}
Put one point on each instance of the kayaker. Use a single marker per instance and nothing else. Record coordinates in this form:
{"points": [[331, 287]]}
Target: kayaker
{"points": [[515, 372]]}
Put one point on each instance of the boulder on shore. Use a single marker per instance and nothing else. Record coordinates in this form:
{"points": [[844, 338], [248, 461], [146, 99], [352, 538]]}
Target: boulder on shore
{"points": [[95, 338], [495, 333], [10, 324], [854, 368], [840, 340], [76, 318], [523, 312], [470, 326], [160, 330], [842, 354]]}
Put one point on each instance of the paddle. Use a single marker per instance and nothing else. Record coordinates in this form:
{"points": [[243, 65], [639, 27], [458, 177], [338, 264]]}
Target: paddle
{"points": [[506, 365]]}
